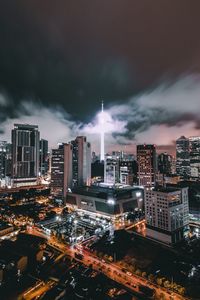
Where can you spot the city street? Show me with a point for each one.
(112, 270)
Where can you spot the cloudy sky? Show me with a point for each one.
(59, 59)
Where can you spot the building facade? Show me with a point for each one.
(5, 159)
(61, 170)
(25, 154)
(111, 170)
(194, 144)
(183, 158)
(146, 158)
(57, 170)
(43, 167)
(106, 200)
(81, 161)
(167, 214)
(70, 166)
(165, 163)
(128, 172)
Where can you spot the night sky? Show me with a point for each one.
(59, 59)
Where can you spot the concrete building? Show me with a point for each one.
(106, 200)
(97, 170)
(111, 170)
(173, 179)
(165, 163)
(61, 169)
(183, 158)
(119, 168)
(43, 166)
(146, 158)
(81, 161)
(70, 166)
(5, 159)
(167, 214)
(25, 154)
(128, 172)
(194, 143)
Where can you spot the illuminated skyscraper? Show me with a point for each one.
(71, 166)
(195, 157)
(43, 157)
(165, 163)
(61, 169)
(25, 154)
(146, 158)
(5, 159)
(81, 161)
(183, 157)
(167, 214)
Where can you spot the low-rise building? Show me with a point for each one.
(106, 199)
(167, 214)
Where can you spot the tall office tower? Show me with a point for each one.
(173, 165)
(25, 154)
(61, 169)
(194, 157)
(183, 157)
(165, 163)
(5, 159)
(57, 170)
(81, 161)
(167, 214)
(128, 171)
(146, 158)
(2, 159)
(43, 167)
(111, 170)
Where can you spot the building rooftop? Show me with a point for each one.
(103, 191)
(25, 126)
(167, 189)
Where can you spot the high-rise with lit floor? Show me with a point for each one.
(183, 157)
(194, 142)
(146, 158)
(167, 214)
(25, 154)
(43, 168)
(70, 166)
(61, 169)
(81, 161)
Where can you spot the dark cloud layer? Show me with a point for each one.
(71, 54)
(75, 52)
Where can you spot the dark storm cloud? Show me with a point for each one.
(74, 52)
(68, 55)
(160, 116)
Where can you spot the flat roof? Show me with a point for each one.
(166, 189)
(99, 191)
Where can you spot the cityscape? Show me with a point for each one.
(99, 154)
